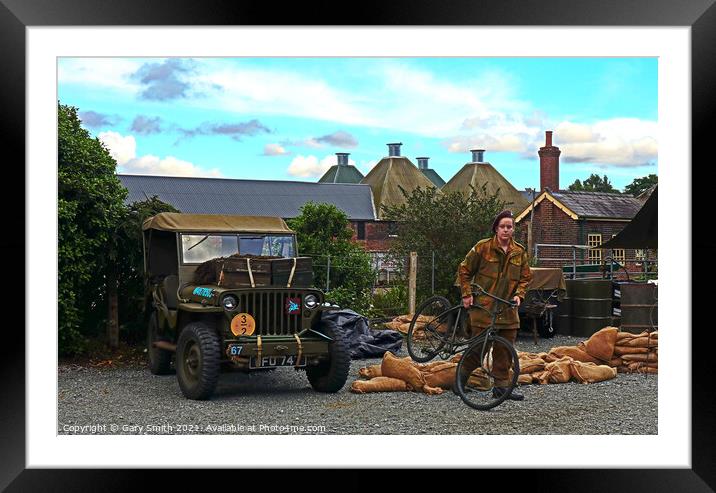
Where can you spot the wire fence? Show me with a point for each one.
(389, 274)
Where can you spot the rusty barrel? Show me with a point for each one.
(590, 306)
(638, 307)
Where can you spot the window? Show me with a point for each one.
(618, 254)
(361, 230)
(200, 248)
(593, 240)
(266, 245)
(639, 254)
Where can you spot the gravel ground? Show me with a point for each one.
(133, 401)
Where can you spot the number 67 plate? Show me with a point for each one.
(274, 361)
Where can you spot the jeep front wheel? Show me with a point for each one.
(197, 361)
(331, 375)
(159, 359)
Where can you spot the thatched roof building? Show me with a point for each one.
(479, 172)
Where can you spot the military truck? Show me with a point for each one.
(247, 319)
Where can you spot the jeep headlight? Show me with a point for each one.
(310, 301)
(230, 302)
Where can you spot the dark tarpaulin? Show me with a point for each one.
(362, 341)
(643, 231)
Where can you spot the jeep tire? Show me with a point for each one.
(331, 375)
(197, 360)
(159, 359)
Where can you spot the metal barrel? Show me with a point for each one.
(562, 315)
(591, 305)
(639, 307)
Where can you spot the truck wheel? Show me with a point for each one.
(331, 375)
(159, 359)
(197, 361)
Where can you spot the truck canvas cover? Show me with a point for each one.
(215, 223)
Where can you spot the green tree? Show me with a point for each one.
(90, 203)
(641, 185)
(447, 224)
(323, 231)
(594, 183)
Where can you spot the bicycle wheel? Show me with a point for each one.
(426, 333)
(475, 377)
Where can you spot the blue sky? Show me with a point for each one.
(285, 118)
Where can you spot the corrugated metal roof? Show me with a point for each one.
(599, 204)
(433, 176)
(341, 174)
(249, 197)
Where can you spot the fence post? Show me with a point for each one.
(432, 283)
(574, 262)
(328, 273)
(412, 270)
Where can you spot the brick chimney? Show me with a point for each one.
(549, 164)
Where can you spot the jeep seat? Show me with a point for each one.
(170, 284)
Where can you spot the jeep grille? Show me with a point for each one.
(269, 311)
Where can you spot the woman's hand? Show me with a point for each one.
(467, 301)
(517, 300)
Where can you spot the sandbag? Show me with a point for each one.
(371, 371)
(524, 379)
(404, 369)
(590, 372)
(620, 350)
(601, 344)
(616, 362)
(640, 357)
(441, 376)
(639, 342)
(531, 365)
(559, 371)
(379, 384)
(573, 352)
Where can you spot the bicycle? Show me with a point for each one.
(445, 334)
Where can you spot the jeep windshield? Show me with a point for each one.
(198, 248)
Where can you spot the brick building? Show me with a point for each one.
(584, 219)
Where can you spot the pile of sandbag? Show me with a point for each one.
(637, 353)
(395, 374)
(401, 323)
(599, 358)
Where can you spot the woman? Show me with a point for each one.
(499, 265)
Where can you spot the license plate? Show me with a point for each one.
(274, 361)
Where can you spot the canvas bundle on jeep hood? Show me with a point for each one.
(215, 223)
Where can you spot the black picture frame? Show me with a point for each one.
(699, 15)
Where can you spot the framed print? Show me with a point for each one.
(48, 43)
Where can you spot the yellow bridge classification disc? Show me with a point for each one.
(243, 324)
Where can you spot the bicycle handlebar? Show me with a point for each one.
(480, 291)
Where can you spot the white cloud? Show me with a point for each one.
(169, 166)
(122, 149)
(108, 73)
(619, 141)
(570, 133)
(274, 150)
(310, 166)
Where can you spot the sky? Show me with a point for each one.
(285, 118)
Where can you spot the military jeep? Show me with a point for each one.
(254, 323)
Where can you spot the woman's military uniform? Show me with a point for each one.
(501, 274)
